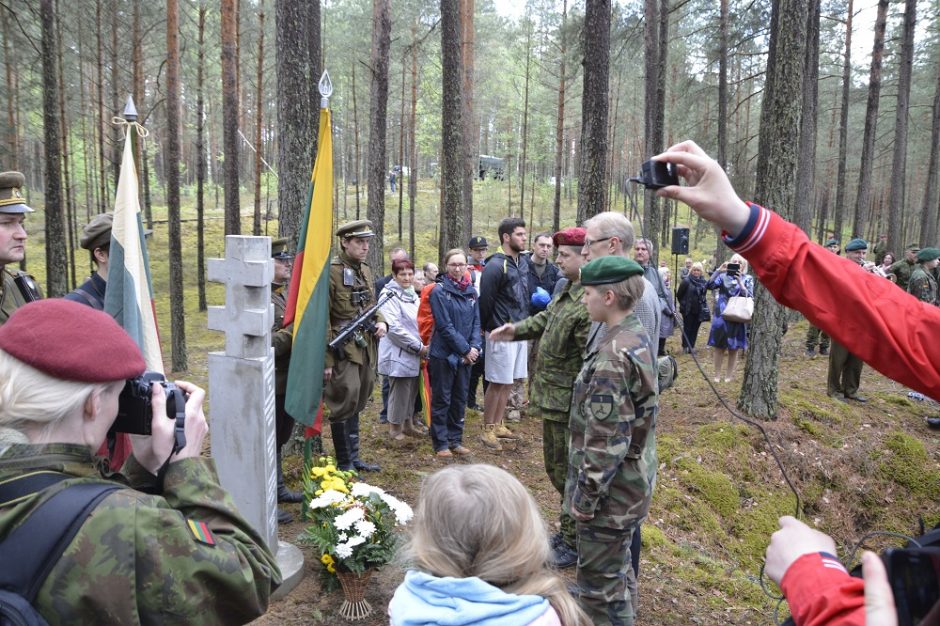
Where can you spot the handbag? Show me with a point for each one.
(739, 310)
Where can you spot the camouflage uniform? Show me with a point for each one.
(10, 296)
(136, 560)
(563, 327)
(902, 270)
(612, 466)
(923, 286)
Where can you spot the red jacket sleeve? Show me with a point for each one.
(821, 593)
(873, 318)
(425, 318)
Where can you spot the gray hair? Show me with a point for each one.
(612, 224)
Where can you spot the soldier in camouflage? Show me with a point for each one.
(923, 285)
(169, 547)
(612, 459)
(350, 379)
(903, 269)
(563, 328)
(16, 287)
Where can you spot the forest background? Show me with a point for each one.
(828, 112)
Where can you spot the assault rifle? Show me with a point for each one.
(355, 328)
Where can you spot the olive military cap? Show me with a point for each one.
(608, 270)
(11, 200)
(358, 228)
(97, 232)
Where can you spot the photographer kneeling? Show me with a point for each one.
(167, 545)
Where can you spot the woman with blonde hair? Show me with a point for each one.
(479, 555)
(729, 338)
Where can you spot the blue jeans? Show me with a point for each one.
(448, 402)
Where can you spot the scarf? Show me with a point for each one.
(461, 284)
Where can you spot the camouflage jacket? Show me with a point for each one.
(902, 270)
(10, 296)
(281, 338)
(351, 293)
(612, 453)
(923, 286)
(563, 327)
(137, 559)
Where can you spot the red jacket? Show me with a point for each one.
(876, 321)
(820, 591)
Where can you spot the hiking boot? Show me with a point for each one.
(460, 450)
(489, 437)
(504, 433)
(824, 352)
(810, 354)
(283, 517)
(564, 556)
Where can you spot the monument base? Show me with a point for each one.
(291, 561)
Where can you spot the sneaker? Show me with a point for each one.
(810, 354)
(563, 556)
(459, 450)
(504, 433)
(489, 438)
(443, 454)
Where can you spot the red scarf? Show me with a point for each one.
(463, 283)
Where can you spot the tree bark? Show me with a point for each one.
(650, 77)
(56, 257)
(806, 168)
(315, 65)
(229, 28)
(104, 198)
(560, 119)
(116, 145)
(412, 142)
(930, 209)
(899, 160)
(357, 170)
(470, 128)
(844, 131)
(259, 107)
(524, 161)
(592, 187)
(452, 161)
(12, 138)
(863, 198)
(201, 161)
(173, 129)
(776, 182)
(378, 118)
(70, 222)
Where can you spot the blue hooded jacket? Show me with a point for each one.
(456, 321)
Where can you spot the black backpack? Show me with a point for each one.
(30, 550)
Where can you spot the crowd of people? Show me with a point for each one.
(587, 331)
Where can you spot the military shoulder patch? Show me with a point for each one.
(601, 405)
(201, 532)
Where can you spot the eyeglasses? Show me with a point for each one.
(590, 242)
(456, 265)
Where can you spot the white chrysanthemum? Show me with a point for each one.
(403, 512)
(327, 498)
(342, 536)
(343, 551)
(365, 528)
(347, 519)
(364, 489)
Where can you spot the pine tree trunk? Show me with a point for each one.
(592, 188)
(471, 131)
(104, 197)
(356, 169)
(116, 144)
(230, 110)
(722, 86)
(201, 161)
(863, 198)
(294, 117)
(650, 76)
(806, 168)
(899, 161)
(523, 163)
(259, 106)
(70, 221)
(560, 120)
(843, 132)
(777, 157)
(173, 130)
(56, 256)
(452, 161)
(315, 66)
(378, 119)
(930, 208)
(412, 143)
(12, 140)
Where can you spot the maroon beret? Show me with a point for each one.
(569, 237)
(71, 341)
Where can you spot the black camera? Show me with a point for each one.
(657, 174)
(733, 269)
(915, 581)
(135, 412)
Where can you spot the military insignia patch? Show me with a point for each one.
(601, 405)
(201, 532)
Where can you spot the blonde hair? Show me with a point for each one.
(454, 252)
(479, 520)
(697, 266)
(737, 258)
(29, 397)
(628, 292)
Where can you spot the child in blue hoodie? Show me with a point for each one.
(479, 556)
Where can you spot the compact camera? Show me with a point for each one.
(135, 412)
(733, 269)
(657, 174)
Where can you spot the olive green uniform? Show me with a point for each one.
(902, 270)
(923, 286)
(563, 328)
(10, 296)
(137, 559)
(612, 466)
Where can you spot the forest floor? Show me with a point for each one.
(719, 493)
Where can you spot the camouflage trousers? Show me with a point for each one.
(517, 400)
(815, 336)
(607, 585)
(555, 456)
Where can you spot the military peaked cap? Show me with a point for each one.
(358, 228)
(279, 250)
(11, 200)
(914, 247)
(608, 270)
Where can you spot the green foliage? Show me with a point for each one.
(906, 463)
(715, 488)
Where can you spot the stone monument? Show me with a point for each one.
(241, 392)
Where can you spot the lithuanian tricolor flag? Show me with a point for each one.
(308, 302)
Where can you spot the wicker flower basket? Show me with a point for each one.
(354, 607)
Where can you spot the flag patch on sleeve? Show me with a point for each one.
(201, 532)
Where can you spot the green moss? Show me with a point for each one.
(900, 401)
(687, 512)
(723, 437)
(653, 536)
(716, 489)
(754, 525)
(666, 448)
(906, 463)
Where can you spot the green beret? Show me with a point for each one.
(609, 269)
(11, 200)
(357, 228)
(279, 249)
(928, 254)
(97, 232)
(832, 242)
(856, 244)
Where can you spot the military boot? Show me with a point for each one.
(283, 493)
(341, 445)
(352, 435)
(489, 438)
(504, 433)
